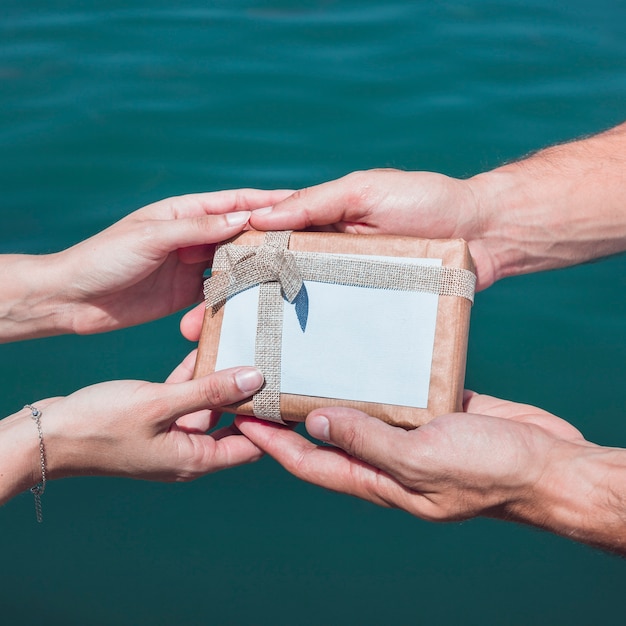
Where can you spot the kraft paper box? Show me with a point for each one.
(377, 323)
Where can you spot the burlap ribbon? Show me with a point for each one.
(278, 270)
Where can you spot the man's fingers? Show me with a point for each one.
(482, 404)
(363, 437)
(323, 466)
(341, 202)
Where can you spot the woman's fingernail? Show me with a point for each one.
(249, 379)
(318, 426)
(264, 211)
(238, 218)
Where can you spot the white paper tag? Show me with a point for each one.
(363, 344)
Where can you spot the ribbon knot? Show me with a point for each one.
(276, 264)
(270, 262)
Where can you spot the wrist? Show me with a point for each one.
(581, 495)
(20, 467)
(559, 207)
(497, 238)
(33, 303)
(521, 229)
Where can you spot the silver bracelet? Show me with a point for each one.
(38, 489)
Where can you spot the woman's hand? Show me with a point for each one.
(147, 430)
(130, 428)
(151, 263)
(146, 266)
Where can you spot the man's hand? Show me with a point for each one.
(392, 202)
(499, 459)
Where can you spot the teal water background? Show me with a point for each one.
(107, 106)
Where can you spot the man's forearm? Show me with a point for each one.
(561, 206)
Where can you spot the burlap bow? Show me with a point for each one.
(245, 268)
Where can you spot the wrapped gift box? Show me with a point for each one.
(378, 323)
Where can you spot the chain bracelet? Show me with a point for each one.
(38, 489)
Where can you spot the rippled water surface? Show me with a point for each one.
(107, 106)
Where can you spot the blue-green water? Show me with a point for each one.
(107, 106)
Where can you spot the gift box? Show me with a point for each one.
(378, 323)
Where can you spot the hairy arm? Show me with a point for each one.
(561, 206)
